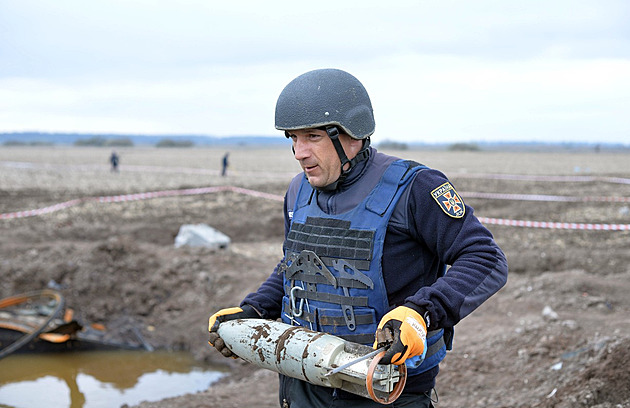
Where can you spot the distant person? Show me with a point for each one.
(224, 164)
(114, 160)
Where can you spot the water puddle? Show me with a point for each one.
(99, 379)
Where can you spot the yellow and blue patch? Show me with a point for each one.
(450, 202)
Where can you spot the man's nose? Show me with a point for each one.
(300, 149)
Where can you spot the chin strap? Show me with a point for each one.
(363, 154)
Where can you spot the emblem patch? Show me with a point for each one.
(448, 199)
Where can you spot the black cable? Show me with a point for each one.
(28, 337)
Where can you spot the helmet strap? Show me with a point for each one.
(333, 134)
(363, 154)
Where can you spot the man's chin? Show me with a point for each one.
(313, 181)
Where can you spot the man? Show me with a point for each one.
(224, 164)
(114, 160)
(385, 227)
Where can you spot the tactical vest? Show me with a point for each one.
(333, 279)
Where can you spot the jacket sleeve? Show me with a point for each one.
(267, 300)
(478, 267)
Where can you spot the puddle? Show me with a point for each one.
(99, 379)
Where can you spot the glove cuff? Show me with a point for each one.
(422, 311)
(250, 312)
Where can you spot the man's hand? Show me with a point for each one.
(409, 332)
(223, 315)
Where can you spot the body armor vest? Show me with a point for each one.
(333, 278)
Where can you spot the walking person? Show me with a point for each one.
(114, 160)
(224, 164)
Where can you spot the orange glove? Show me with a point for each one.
(223, 315)
(409, 335)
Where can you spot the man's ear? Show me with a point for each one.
(353, 146)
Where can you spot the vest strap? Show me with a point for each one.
(328, 297)
(318, 279)
(383, 194)
(334, 320)
(435, 347)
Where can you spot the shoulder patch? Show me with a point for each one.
(450, 202)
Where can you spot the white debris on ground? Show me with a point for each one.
(201, 235)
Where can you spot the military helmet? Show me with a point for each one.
(326, 97)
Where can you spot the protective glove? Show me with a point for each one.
(223, 315)
(409, 332)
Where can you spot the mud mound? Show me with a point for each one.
(602, 379)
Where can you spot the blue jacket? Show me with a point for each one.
(429, 229)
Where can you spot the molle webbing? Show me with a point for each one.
(318, 279)
(332, 238)
(335, 320)
(329, 297)
(340, 321)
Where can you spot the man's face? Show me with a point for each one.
(317, 155)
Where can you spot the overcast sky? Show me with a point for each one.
(436, 71)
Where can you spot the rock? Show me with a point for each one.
(201, 235)
(549, 314)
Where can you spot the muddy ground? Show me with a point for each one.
(558, 334)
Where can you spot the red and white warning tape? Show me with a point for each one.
(195, 191)
(544, 197)
(556, 225)
(40, 211)
(158, 194)
(527, 177)
(138, 196)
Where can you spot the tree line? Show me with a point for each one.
(98, 141)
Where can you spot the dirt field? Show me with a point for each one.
(558, 335)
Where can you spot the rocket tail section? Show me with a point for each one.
(308, 355)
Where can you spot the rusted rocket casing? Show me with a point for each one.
(307, 355)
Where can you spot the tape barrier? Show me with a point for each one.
(275, 197)
(556, 225)
(524, 177)
(544, 197)
(159, 194)
(138, 196)
(40, 211)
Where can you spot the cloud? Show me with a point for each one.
(67, 38)
(436, 71)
